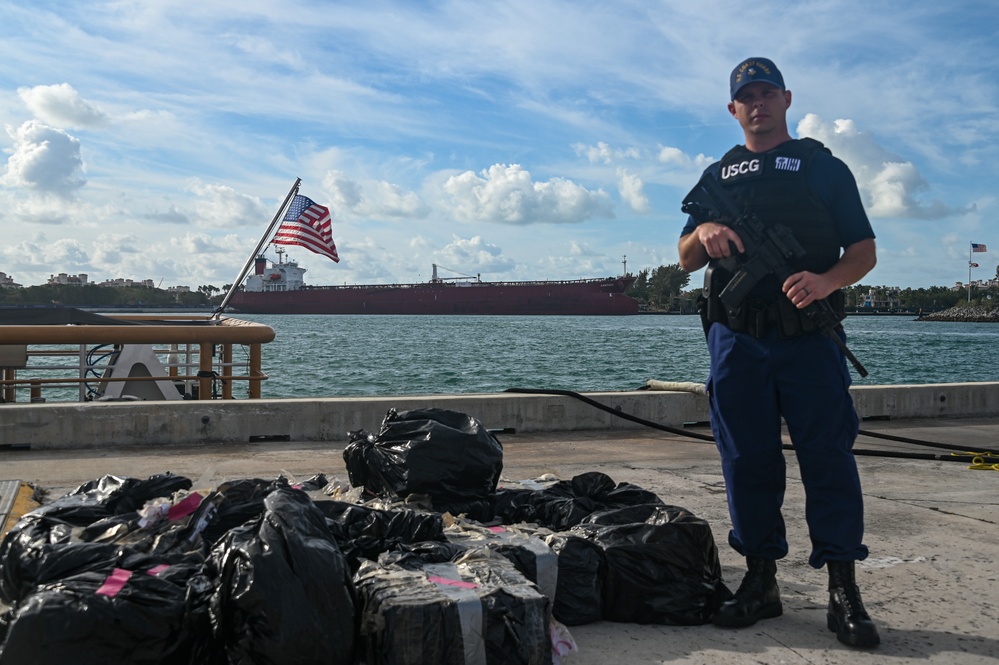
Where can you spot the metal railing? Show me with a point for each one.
(161, 358)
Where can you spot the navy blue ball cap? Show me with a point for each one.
(752, 70)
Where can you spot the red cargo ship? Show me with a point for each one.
(279, 288)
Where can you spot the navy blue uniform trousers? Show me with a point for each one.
(753, 384)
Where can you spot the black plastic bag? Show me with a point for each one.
(449, 456)
(415, 556)
(364, 532)
(581, 570)
(152, 613)
(42, 565)
(313, 484)
(125, 495)
(568, 502)
(284, 591)
(514, 505)
(103, 510)
(663, 570)
(242, 501)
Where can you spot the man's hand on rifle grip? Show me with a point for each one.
(719, 241)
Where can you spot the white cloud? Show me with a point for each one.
(69, 253)
(632, 190)
(675, 157)
(194, 243)
(574, 266)
(393, 201)
(153, 118)
(891, 189)
(474, 254)
(507, 195)
(28, 211)
(173, 215)
(888, 183)
(221, 206)
(61, 106)
(44, 159)
(375, 199)
(346, 194)
(265, 49)
(603, 153)
(112, 249)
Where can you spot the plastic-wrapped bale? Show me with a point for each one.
(568, 502)
(121, 495)
(139, 595)
(150, 614)
(364, 532)
(662, 565)
(284, 592)
(43, 545)
(242, 501)
(449, 456)
(529, 554)
(581, 571)
(477, 611)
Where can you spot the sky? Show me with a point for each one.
(534, 139)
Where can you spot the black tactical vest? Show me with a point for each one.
(773, 185)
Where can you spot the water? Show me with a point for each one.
(324, 356)
(899, 350)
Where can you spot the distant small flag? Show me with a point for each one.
(978, 247)
(308, 225)
(972, 264)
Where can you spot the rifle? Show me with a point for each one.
(770, 250)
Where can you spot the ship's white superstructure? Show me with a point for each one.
(279, 276)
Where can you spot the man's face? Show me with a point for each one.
(761, 108)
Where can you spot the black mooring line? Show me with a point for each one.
(704, 437)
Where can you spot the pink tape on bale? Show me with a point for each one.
(461, 584)
(114, 583)
(185, 507)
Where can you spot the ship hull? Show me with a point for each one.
(582, 297)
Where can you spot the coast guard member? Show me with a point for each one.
(768, 363)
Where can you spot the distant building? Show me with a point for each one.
(882, 297)
(8, 282)
(178, 289)
(121, 282)
(71, 280)
(977, 283)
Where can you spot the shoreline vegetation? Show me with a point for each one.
(665, 290)
(110, 297)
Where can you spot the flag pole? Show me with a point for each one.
(971, 249)
(249, 261)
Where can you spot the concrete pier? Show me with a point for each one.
(930, 582)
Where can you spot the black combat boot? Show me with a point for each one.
(847, 616)
(757, 598)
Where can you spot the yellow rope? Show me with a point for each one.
(978, 462)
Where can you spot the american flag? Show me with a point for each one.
(978, 247)
(308, 225)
